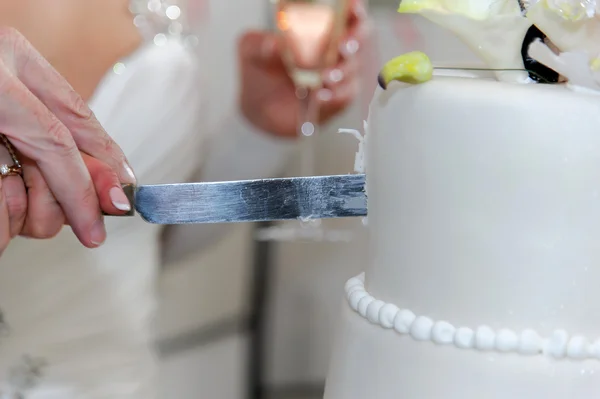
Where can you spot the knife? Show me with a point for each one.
(304, 198)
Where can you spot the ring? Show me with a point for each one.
(10, 170)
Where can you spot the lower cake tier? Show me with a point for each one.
(383, 351)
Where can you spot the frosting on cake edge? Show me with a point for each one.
(483, 338)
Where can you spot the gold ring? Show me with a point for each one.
(10, 170)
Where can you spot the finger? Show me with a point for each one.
(334, 102)
(4, 221)
(357, 13)
(45, 206)
(58, 96)
(45, 217)
(355, 31)
(344, 71)
(260, 48)
(14, 195)
(41, 137)
(110, 193)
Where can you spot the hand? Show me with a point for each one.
(32, 208)
(49, 124)
(268, 98)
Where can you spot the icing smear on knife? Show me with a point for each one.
(493, 29)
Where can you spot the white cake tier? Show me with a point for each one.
(484, 213)
(484, 204)
(559, 345)
(371, 362)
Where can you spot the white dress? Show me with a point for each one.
(75, 322)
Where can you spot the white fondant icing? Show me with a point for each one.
(387, 315)
(578, 347)
(595, 349)
(507, 341)
(483, 204)
(443, 333)
(353, 282)
(465, 338)
(373, 311)
(403, 321)
(483, 338)
(483, 209)
(421, 328)
(359, 160)
(530, 343)
(363, 305)
(355, 298)
(556, 346)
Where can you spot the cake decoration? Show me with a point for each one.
(522, 41)
(559, 345)
(537, 71)
(571, 10)
(414, 68)
(493, 29)
(574, 29)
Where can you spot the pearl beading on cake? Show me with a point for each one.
(421, 328)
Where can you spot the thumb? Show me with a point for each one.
(259, 48)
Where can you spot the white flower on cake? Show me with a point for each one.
(475, 9)
(573, 27)
(493, 29)
(572, 10)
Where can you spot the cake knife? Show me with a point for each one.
(319, 197)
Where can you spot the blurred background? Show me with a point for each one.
(252, 319)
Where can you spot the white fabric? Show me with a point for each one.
(86, 313)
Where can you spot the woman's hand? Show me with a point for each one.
(54, 131)
(34, 212)
(268, 97)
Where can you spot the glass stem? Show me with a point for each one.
(307, 130)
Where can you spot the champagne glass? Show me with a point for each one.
(311, 31)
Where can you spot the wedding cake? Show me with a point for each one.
(484, 214)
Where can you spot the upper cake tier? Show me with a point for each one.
(484, 204)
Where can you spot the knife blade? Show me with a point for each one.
(318, 197)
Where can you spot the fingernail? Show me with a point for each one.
(324, 95)
(268, 47)
(350, 47)
(98, 233)
(334, 76)
(119, 199)
(129, 172)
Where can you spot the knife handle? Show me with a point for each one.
(129, 190)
